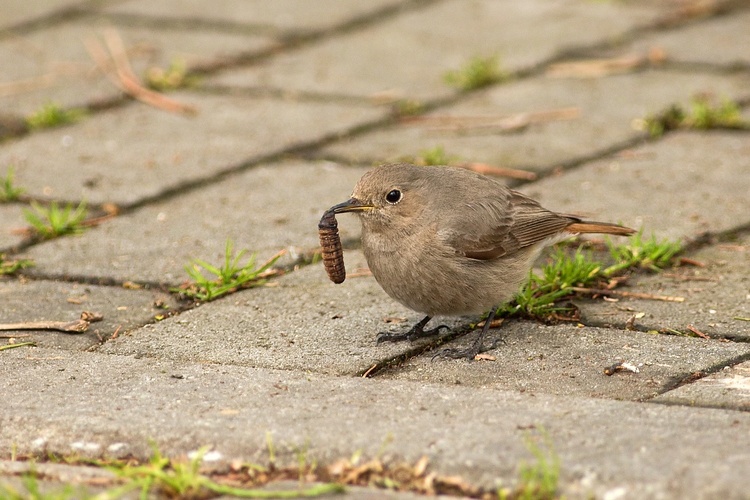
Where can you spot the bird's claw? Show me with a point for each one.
(417, 332)
(469, 353)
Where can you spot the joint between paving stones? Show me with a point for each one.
(679, 381)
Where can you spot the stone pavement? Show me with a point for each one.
(295, 100)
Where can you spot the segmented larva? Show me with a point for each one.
(333, 254)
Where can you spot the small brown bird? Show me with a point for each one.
(449, 241)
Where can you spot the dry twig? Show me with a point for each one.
(592, 68)
(116, 66)
(634, 295)
(77, 326)
(698, 332)
(20, 344)
(512, 123)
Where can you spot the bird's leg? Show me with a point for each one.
(416, 332)
(476, 348)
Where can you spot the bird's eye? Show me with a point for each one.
(393, 196)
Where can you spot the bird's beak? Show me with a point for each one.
(350, 205)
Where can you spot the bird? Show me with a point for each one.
(447, 241)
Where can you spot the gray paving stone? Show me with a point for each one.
(729, 388)
(639, 450)
(565, 359)
(81, 481)
(607, 109)
(727, 35)
(715, 296)
(263, 210)
(125, 155)
(304, 322)
(53, 65)
(123, 310)
(294, 15)
(19, 11)
(678, 188)
(440, 38)
(11, 220)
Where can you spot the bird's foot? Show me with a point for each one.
(469, 353)
(416, 332)
(476, 348)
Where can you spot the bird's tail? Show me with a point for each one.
(582, 226)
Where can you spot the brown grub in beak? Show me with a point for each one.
(333, 254)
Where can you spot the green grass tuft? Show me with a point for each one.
(541, 295)
(640, 253)
(53, 115)
(177, 479)
(32, 490)
(13, 266)
(8, 190)
(702, 113)
(538, 480)
(226, 277)
(53, 221)
(176, 76)
(478, 72)
(435, 156)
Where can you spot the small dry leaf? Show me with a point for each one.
(483, 356)
(91, 317)
(622, 366)
(421, 466)
(338, 467)
(394, 319)
(496, 323)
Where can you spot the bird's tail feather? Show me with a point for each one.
(580, 227)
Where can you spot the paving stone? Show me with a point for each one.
(11, 219)
(263, 210)
(565, 359)
(81, 481)
(677, 188)
(716, 297)
(304, 322)
(19, 11)
(53, 65)
(292, 15)
(727, 35)
(440, 38)
(125, 155)
(122, 310)
(729, 388)
(639, 450)
(607, 109)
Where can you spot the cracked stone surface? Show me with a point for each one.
(260, 210)
(143, 149)
(563, 360)
(54, 66)
(122, 310)
(11, 221)
(292, 15)
(687, 44)
(601, 113)
(295, 102)
(302, 322)
(729, 388)
(716, 297)
(629, 186)
(337, 66)
(475, 432)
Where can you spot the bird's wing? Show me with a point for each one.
(500, 225)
